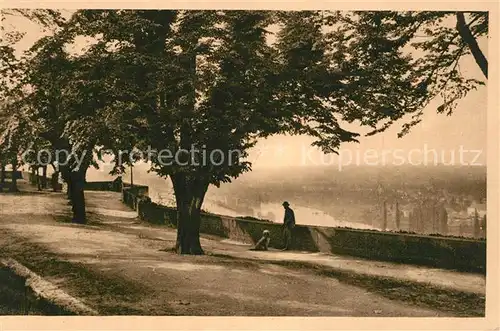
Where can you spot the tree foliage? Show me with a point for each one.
(417, 56)
(15, 124)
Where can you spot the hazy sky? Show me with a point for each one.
(465, 130)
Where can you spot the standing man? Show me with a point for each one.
(288, 225)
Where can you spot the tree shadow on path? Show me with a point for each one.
(425, 295)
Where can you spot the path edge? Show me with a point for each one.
(45, 293)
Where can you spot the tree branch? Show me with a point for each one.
(469, 39)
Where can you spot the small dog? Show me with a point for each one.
(263, 243)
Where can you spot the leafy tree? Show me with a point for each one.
(15, 126)
(58, 102)
(10, 69)
(200, 80)
(417, 55)
(39, 81)
(210, 81)
(13, 139)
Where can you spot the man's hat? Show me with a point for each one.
(265, 232)
(285, 203)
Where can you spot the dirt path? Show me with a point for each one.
(115, 265)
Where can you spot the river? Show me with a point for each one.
(161, 191)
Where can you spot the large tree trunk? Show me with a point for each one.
(13, 186)
(2, 176)
(76, 184)
(78, 196)
(189, 195)
(37, 178)
(470, 40)
(63, 166)
(44, 177)
(54, 178)
(32, 179)
(68, 189)
(54, 181)
(65, 174)
(188, 231)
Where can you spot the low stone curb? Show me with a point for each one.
(44, 293)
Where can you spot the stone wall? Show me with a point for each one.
(114, 186)
(442, 252)
(9, 173)
(32, 179)
(139, 190)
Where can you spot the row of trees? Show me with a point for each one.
(220, 80)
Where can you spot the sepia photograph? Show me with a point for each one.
(251, 162)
